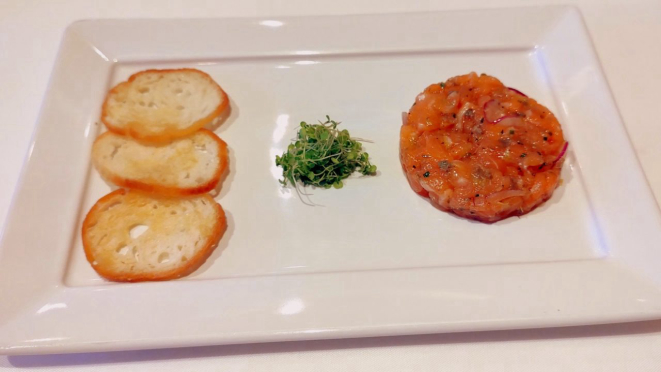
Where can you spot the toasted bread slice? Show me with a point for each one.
(186, 166)
(181, 234)
(157, 106)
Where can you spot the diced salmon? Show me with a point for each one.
(481, 150)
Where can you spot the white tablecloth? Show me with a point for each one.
(627, 37)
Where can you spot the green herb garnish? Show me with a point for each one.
(323, 156)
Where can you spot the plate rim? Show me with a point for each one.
(54, 291)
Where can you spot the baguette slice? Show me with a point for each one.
(181, 234)
(186, 166)
(157, 106)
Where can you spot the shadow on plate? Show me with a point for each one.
(63, 360)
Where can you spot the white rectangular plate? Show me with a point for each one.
(375, 259)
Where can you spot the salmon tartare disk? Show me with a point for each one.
(481, 150)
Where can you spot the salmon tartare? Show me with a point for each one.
(481, 150)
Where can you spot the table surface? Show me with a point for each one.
(626, 35)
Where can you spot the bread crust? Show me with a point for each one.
(191, 265)
(134, 129)
(152, 188)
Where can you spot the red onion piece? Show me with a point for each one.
(491, 109)
(509, 120)
(492, 112)
(517, 91)
(562, 153)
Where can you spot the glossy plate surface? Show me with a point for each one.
(374, 259)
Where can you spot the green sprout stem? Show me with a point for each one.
(322, 156)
